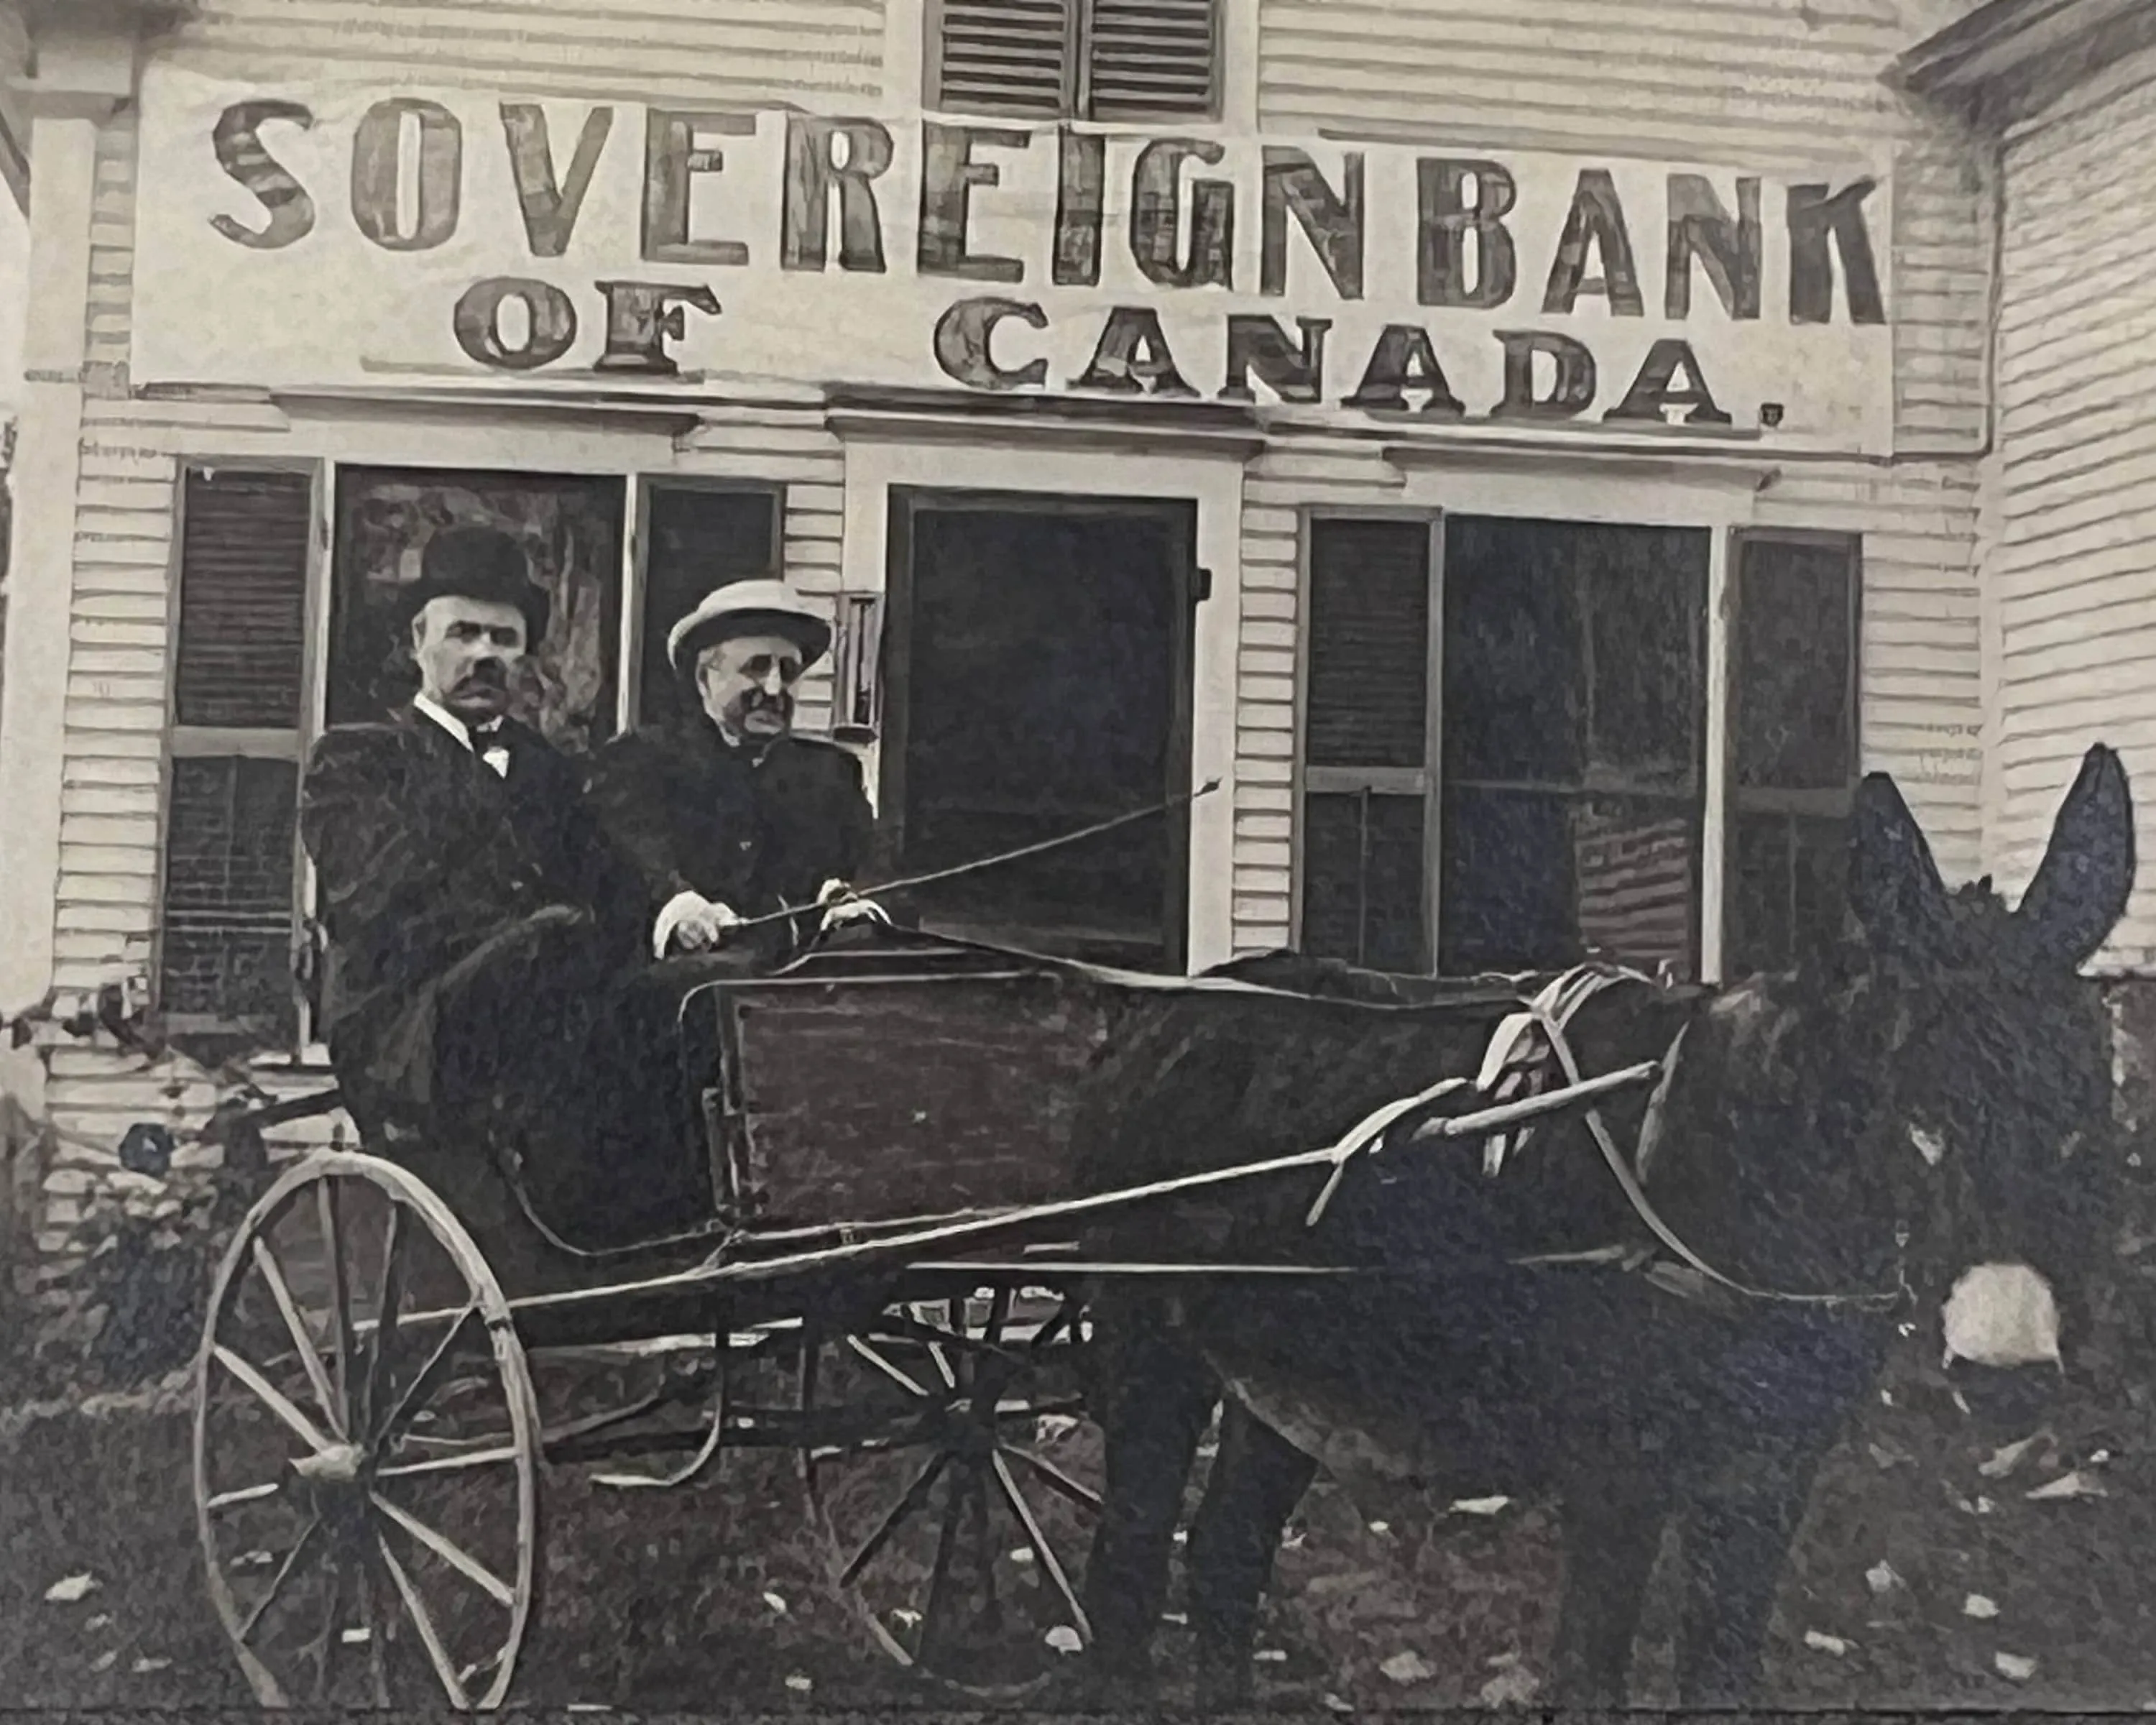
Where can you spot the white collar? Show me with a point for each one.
(425, 703)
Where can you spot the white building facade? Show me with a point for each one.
(1534, 458)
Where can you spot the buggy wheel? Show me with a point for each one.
(365, 1453)
(951, 1470)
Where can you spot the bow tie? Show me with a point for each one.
(491, 746)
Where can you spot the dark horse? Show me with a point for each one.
(1912, 1125)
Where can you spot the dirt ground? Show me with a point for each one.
(1926, 1576)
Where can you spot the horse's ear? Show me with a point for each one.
(1894, 885)
(2080, 889)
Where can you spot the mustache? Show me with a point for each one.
(757, 701)
(486, 675)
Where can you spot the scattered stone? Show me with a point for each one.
(1409, 1667)
(799, 1683)
(105, 1660)
(144, 1667)
(2008, 1457)
(1978, 1606)
(1479, 1506)
(1824, 1643)
(2014, 1667)
(1064, 1638)
(68, 1591)
(1881, 1577)
(1381, 1528)
(1337, 1705)
(1514, 1688)
(102, 1620)
(1271, 1655)
(1023, 1554)
(777, 1603)
(2075, 1484)
(358, 1637)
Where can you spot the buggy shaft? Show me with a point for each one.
(1479, 1123)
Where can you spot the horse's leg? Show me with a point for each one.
(1736, 1539)
(1258, 1478)
(1612, 1523)
(1155, 1397)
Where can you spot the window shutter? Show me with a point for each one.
(1152, 60)
(243, 599)
(1005, 57)
(228, 868)
(226, 919)
(1369, 643)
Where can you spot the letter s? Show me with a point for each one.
(237, 138)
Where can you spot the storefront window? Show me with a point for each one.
(1574, 713)
(1572, 726)
(251, 643)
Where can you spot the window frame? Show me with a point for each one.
(1225, 106)
(1721, 799)
(1307, 777)
(306, 1050)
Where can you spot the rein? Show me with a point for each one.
(1508, 1068)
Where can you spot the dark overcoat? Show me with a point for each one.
(435, 876)
(754, 830)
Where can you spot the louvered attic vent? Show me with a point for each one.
(1090, 59)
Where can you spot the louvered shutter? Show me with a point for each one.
(243, 599)
(1152, 60)
(225, 945)
(1793, 724)
(1006, 57)
(1365, 875)
(1116, 60)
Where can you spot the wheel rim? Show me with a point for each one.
(955, 1480)
(366, 1455)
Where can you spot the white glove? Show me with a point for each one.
(842, 906)
(689, 922)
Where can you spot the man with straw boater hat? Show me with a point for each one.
(730, 818)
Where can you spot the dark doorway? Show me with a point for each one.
(1038, 682)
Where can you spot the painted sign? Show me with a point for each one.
(298, 236)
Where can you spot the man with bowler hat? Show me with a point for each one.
(726, 814)
(470, 899)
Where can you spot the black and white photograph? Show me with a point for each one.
(1109, 858)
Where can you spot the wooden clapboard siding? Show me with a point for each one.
(1774, 85)
(2072, 573)
(805, 52)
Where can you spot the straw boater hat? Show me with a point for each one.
(749, 608)
(476, 562)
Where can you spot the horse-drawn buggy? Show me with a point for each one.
(893, 1279)
(951, 1211)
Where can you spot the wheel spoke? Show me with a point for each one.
(385, 1314)
(956, 1500)
(875, 1357)
(936, 1349)
(284, 1570)
(311, 1360)
(326, 1205)
(1041, 1548)
(916, 1494)
(271, 1398)
(984, 1552)
(1056, 1480)
(388, 1431)
(245, 1494)
(416, 1609)
(449, 1552)
(451, 1463)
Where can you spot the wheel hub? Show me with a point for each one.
(340, 1464)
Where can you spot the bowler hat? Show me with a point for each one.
(749, 608)
(476, 562)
